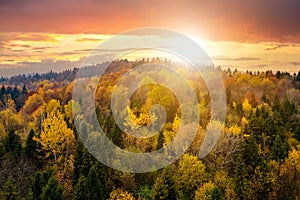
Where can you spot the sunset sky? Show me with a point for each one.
(38, 35)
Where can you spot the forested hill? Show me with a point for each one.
(256, 157)
(64, 76)
(70, 74)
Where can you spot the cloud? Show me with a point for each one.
(277, 46)
(19, 45)
(6, 38)
(282, 45)
(246, 21)
(221, 58)
(89, 40)
(294, 63)
(37, 67)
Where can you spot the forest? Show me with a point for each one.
(256, 157)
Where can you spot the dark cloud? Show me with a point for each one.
(277, 46)
(294, 63)
(248, 21)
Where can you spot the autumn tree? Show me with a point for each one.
(190, 174)
(120, 194)
(56, 138)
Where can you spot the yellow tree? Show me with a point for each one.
(205, 191)
(190, 174)
(120, 194)
(56, 138)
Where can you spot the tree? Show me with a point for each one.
(9, 190)
(11, 120)
(83, 161)
(120, 194)
(33, 103)
(56, 138)
(290, 176)
(39, 181)
(190, 174)
(12, 144)
(94, 188)
(280, 148)
(246, 107)
(80, 192)
(208, 191)
(53, 190)
(164, 187)
(2, 131)
(31, 145)
(240, 177)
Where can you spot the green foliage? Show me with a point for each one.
(90, 187)
(12, 144)
(240, 177)
(164, 186)
(39, 181)
(31, 146)
(53, 190)
(80, 192)
(9, 190)
(280, 148)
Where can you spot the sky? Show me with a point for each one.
(40, 35)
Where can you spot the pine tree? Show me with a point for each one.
(240, 178)
(31, 145)
(95, 191)
(80, 192)
(12, 144)
(161, 141)
(83, 161)
(9, 190)
(280, 148)
(251, 153)
(53, 190)
(216, 194)
(39, 181)
(164, 186)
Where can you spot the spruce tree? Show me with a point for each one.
(31, 145)
(240, 178)
(9, 190)
(53, 190)
(94, 189)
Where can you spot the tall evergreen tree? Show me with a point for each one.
(80, 191)
(12, 144)
(31, 145)
(94, 188)
(53, 190)
(240, 178)
(9, 190)
(39, 181)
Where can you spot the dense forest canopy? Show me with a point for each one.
(256, 157)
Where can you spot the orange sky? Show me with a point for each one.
(41, 35)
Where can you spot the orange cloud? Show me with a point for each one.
(235, 20)
(88, 40)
